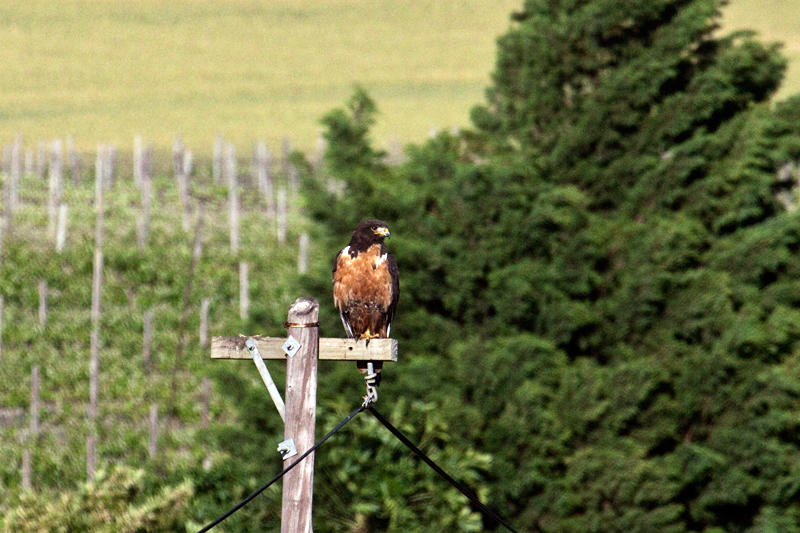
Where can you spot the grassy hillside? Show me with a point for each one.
(107, 69)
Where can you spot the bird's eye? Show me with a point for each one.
(374, 228)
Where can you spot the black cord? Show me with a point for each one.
(276, 478)
(474, 499)
(396, 432)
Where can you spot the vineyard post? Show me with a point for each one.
(94, 358)
(34, 429)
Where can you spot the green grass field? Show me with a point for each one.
(105, 70)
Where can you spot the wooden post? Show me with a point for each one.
(244, 290)
(43, 303)
(5, 223)
(293, 178)
(147, 340)
(29, 168)
(205, 303)
(233, 195)
(179, 160)
(41, 160)
(91, 456)
(197, 251)
(61, 233)
(74, 162)
(56, 177)
(216, 164)
(110, 166)
(269, 187)
(301, 411)
(282, 214)
(177, 156)
(152, 446)
(286, 153)
(183, 188)
(394, 152)
(26, 469)
(137, 160)
(143, 227)
(9, 187)
(100, 169)
(94, 358)
(302, 254)
(188, 163)
(2, 301)
(6, 167)
(262, 167)
(187, 294)
(35, 400)
(34, 429)
(16, 171)
(205, 414)
(319, 155)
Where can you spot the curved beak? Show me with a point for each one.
(383, 232)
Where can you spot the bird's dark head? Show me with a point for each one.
(369, 232)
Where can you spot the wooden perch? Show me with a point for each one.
(330, 349)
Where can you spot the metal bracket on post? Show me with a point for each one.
(267, 378)
(291, 346)
(287, 449)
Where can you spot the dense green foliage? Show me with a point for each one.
(113, 503)
(600, 289)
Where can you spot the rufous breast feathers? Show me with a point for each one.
(362, 278)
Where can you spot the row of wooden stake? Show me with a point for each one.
(244, 302)
(34, 433)
(94, 365)
(105, 174)
(148, 318)
(36, 162)
(277, 203)
(205, 305)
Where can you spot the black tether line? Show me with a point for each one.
(474, 499)
(276, 478)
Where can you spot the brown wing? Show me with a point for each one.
(394, 274)
(339, 291)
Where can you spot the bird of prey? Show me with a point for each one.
(366, 285)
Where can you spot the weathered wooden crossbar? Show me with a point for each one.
(330, 349)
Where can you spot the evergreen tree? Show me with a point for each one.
(621, 96)
(599, 283)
